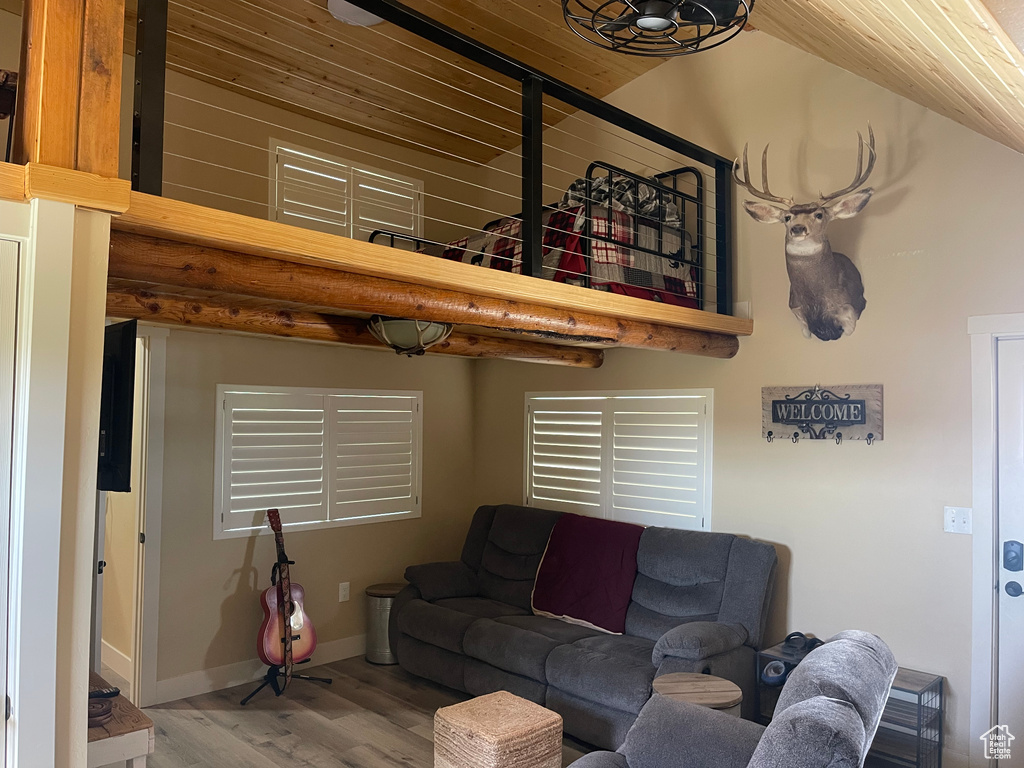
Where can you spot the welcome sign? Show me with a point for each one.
(844, 412)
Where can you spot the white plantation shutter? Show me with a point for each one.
(329, 194)
(375, 449)
(659, 460)
(322, 457)
(564, 462)
(636, 457)
(312, 192)
(385, 201)
(273, 456)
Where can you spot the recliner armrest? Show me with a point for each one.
(439, 580)
(698, 640)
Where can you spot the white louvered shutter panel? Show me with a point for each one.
(313, 192)
(564, 465)
(659, 460)
(375, 455)
(385, 201)
(272, 447)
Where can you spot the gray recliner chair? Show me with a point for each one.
(826, 716)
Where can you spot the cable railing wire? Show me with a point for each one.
(308, 55)
(344, 94)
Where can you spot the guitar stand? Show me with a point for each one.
(272, 679)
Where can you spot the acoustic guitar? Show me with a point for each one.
(282, 607)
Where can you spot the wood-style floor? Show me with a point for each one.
(370, 717)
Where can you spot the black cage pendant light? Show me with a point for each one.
(657, 27)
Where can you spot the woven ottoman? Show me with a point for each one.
(499, 730)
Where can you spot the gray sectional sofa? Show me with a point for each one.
(699, 604)
(827, 715)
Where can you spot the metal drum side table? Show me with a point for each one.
(379, 599)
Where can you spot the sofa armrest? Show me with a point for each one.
(698, 640)
(600, 760)
(439, 580)
(677, 734)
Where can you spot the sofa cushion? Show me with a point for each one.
(588, 571)
(556, 629)
(814, 732)
(636, 648)
(482, 679)
(680, 577)
(480, 607)
(667, 730)
(617, 676)
(512, 649)
(435, 624)
(515, 544)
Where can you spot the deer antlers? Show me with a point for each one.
(766, 193)
(862, 172)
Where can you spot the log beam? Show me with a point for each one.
(155, 260)
(222, 314)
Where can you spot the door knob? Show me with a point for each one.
(1013, 589)
(1013, 556)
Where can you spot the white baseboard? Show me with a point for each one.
(230, 675)
(116, 660)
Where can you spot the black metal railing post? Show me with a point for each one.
(148, 107)
(723, 235)
(533, 175)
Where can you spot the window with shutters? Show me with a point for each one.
(330, 194)
(638, 457)
(323, 457)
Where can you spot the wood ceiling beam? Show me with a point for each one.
(149, 259)
(222, 313)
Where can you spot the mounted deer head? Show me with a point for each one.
(826, 293)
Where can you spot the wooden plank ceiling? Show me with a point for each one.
(383, 80)
(951, 56)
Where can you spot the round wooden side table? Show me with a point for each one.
(703, 690)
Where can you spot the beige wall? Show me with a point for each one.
(859, 528)
(209, 590)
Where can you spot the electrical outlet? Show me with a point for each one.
(957, 520)
(343, 592)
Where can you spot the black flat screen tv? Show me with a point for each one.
(117, 408)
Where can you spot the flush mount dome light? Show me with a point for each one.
(408, 337)
(657, 28)
(350, 14)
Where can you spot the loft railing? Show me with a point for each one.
(710, 225)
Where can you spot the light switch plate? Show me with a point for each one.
(343, 592)
(958, 520)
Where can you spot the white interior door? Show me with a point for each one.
(8, 321)
(1010, 540)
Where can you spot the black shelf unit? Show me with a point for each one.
(911, 730)
(766, 696)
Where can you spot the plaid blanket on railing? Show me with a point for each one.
(612, 266)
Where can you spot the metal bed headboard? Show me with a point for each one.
(663, 194)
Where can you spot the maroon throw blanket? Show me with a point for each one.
(587, 573)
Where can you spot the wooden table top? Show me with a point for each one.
(705, 690)
(127, 718)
